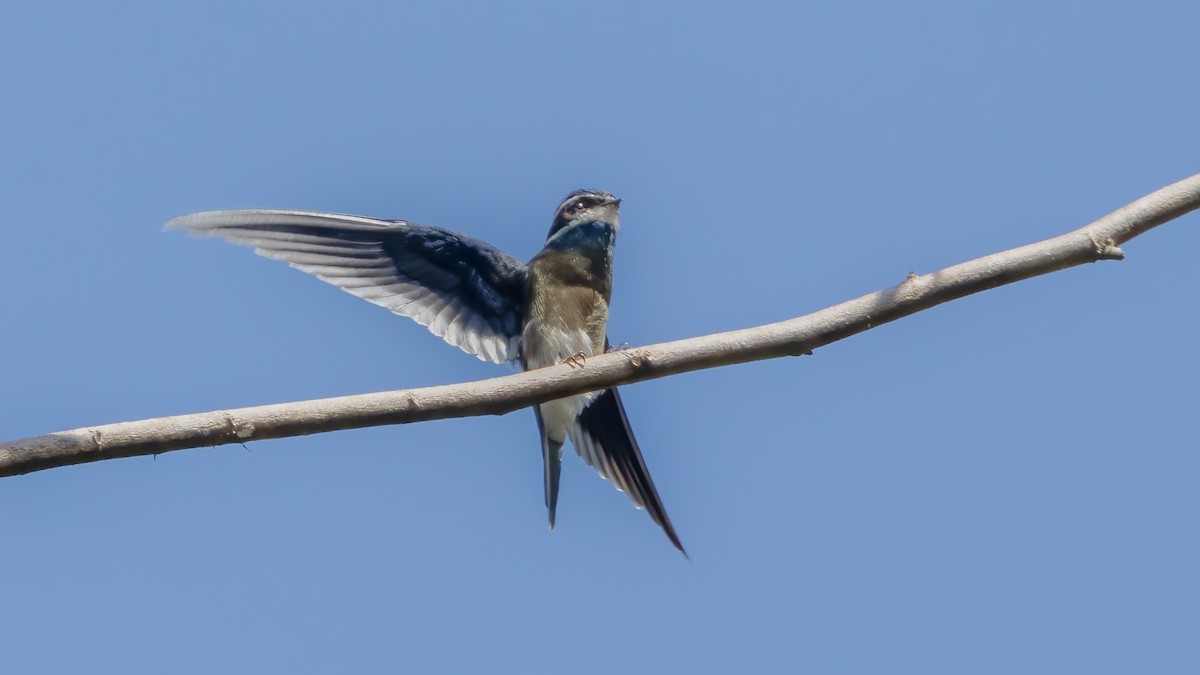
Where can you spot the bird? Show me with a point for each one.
(552, 310)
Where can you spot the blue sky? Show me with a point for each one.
(1008, 483)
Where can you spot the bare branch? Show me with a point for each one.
(1100, 240)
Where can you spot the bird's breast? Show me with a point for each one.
(563, 321)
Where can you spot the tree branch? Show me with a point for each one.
(1100, 240)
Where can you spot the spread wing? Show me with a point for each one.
(464, 290)
(603, 438)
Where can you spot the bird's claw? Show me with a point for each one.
(576, 359)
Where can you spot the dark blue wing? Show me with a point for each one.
(464, 290)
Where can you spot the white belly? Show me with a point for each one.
(544, 346)
(559, 415)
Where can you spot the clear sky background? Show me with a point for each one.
(1008, 483)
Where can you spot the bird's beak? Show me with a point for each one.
(613, 201)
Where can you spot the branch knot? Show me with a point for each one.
(1105, 248)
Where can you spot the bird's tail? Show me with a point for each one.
(551, 465)
(604, 439)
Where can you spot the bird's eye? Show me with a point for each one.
(578, 206)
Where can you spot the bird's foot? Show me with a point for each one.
(576, 359)
(636, 358)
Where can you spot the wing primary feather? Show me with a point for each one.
(464, 290)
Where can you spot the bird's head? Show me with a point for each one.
(586, 206)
